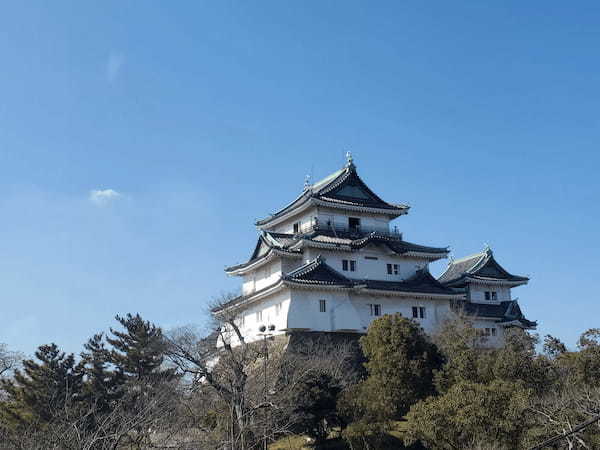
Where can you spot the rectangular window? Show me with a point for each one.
(322, 306)
(392, 269)
(395, 269)
(296, 227)
(488, 295)
(418, 312)
(353, 224)
(259, 316)
(494, 295)
(277, 309)
(389, 268)
(493, 332)
(375, 309)
(348, 265)
(375, 258)
(488, 332)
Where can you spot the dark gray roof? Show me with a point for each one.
(507, 311)
(342, 188)
(317, 272)
(282, 242)
(481, 266)
(266, 243)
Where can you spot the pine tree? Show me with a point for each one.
(103, 386)
(139, 350)
(43, 389)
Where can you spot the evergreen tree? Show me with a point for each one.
(103, 386)
(138, 351)
(43, 388)
(401, 362)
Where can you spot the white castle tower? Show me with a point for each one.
(329, 262)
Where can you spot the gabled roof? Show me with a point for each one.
(319, 273)
(291, 245)
(267, 244)
(342, 189)
(421, 282)
(478, 267)
(507, 312)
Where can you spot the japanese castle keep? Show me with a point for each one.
(329, 262)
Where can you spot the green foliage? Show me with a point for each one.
(42, 387)
(139, 350)
(401, 362)
(468, 412)
(315, 406)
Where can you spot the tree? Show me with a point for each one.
(401, 362)
(41, 388)
(553, 347)
(139, 351)
(469, 412)
(8, 360)
(315, 402)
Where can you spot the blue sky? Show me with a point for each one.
(202, 116)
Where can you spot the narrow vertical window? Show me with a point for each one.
(422, 312)
(494, 295)
(395, 269)
(322, 306)
(377, 310)
(389, 269)
(296, 227)
(493, 332)
(415, 312)
(345, 265)
(487, 295)
(352, 265)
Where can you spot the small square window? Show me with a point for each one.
(353, 223)
(322, 306)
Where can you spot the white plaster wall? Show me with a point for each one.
(262, 277)
(368, 268)
(352, 312)
(490, 341)
(477, 292)
(369, 222)
(249, 327)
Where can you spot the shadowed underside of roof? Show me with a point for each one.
(507, 311)
(478, 266)
(342, 188)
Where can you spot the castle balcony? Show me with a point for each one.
(353, 230)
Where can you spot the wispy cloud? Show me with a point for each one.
(113, 66)
(102, 197)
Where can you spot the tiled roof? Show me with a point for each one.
(283, 242)
(317, 272)
(507, 311)
(481, 266)
(343, 187)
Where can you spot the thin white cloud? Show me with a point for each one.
(113, 66)
(102, 197)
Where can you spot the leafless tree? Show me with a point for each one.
(253, 393)
(9, 361)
